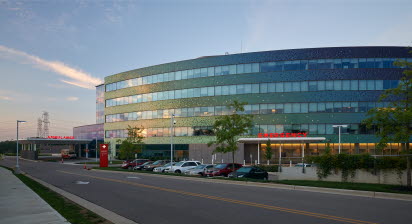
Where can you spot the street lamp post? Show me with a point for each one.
(96, 149)
(172, 122)
(340, 126)
(17, 171)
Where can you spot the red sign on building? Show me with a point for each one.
(61, 137)
(104, 155)
(282, 135)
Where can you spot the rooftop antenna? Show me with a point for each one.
(46, 123)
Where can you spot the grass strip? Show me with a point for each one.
(310, 183)
(71, 211)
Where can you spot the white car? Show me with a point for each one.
(182, 166)
(161, 169)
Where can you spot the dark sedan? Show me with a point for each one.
(140, 167)
(250, 172)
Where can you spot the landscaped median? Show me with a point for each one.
(68, 209)
(397, 189)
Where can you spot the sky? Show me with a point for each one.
(53, 53)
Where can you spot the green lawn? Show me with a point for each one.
(68, 209)
(326, 184)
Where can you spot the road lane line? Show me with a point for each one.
(253, 204)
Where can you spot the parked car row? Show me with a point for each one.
(195, 168)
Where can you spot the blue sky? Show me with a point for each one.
(52, 53)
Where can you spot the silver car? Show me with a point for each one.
(161, 169)
(198, 170)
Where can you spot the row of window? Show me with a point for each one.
(278, 108)
(312, 129)
(278, 87)
(258, 67)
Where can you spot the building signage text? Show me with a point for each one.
(282, 135)
(61, 137)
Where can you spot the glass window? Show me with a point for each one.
(354, 85)
(313, 64)
(321, 85)
(240, 89)
(211, 71)
(379, 84)
(255, 88)
(178, 75)
(263, 87)
(304, 107)
(321, 129)
(264, 109)
(362, 84)
(287, 87)
(203, 72)
(280, 109)
(337, 107)
(313, 129)
(248, 88)
(255, 67)
(345, 84)
(184, 74)
(225, 90)
(304, 86)
(321, 107)
(232, 69)
(218, 90)
(370, 84)
(329, 107)
(232, 90)
(248, 68)
(196, 92)
(240, 68)
(190, 74)
(225, 70)
(362, 63)
(288, 108)
(329, 85)
(295, 107)
(304, 64)
(196, 73)
(203, 91)
(313, 107)
(184, 93)
(296, 86)
(313, 86)
(190, 93)
(337, 84)
(337, 63)
(272, 87)
(210, 91)
(218, 70)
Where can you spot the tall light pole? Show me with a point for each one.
(17, 171)
(96, 149)
(340, 126)
(172, 122)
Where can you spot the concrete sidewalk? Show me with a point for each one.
(19, 204)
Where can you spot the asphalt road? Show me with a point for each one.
(158, 199)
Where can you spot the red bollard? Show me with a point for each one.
(84, 166)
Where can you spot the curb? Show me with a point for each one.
(107, 214)
(370, 194)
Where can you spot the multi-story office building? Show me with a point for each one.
(288, 91)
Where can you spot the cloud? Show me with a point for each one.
(79, 78)
(72, 98)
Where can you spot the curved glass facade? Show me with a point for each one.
(301, 90)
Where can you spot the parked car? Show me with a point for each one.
(250, 172)
(161, 169)
(182, 166)
(221, 169)
(158, 163)
(198, 170)
(140, 167)
(129, 164)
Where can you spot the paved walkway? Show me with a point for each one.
(19, 204)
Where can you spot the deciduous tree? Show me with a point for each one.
(228, 128)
